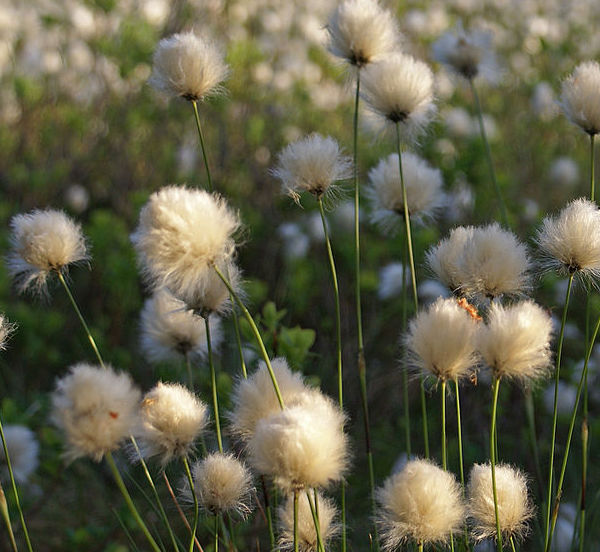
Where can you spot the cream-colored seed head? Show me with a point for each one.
(43, 242)
(515, 341)
(514, 506)
(313, 164)
(222, 484)
(361, 31)
(422, 503)
(570, 241)
(423, 186)
(445, 259)
(189, 66)
(169, 329)
(23, 449)
(441, 340)
(307, 535)
(96, 408)
(172, 418)
(579, 97)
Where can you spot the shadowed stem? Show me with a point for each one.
(404, 371)
(493, 461)
(295, 520)
(488, 154)
(555, 412)
(268, 512)
(530, 413)
(202, 146)
(6, 518)
(190, 479)
(121, 485)
(213, 384)
(253, 327)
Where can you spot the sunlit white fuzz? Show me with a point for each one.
(422, 503)
(515, 341)
(494, 263)
(307, 535)
(514, 506)
(169, 329)
(222, 484)
(445, 258)
(96, 408)
(189, 66)
(313, 164)
(570, 241)
(171, 420)
(441, 340)
(23, 450)
(361, 31)
(579, 97)
(181, 234)
(43, 242)
(423, 185)
(6, 330)
(399, 89)
(301, 446)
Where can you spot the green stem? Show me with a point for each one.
(420, 547)
(460, 455)
(584, 454)
(268, 513)
(255, 331)
(444, 452)
(530, 413)
(6, 517)
(213, 384)
(238, 338)
(80, 316)
(405, 371)
(190, 479)
(512, 544)
(216, 533)
(295, 520)
(555, 413)
(488, 154)
(592, 168)
(121, 485)
(493, 462)
(202, 146)
(424, 417)
(317, 523)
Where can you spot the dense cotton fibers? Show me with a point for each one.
(579, 97)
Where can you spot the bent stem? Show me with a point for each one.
(213, 384)
(493, 461)
(555, 413)
(202, 146)
(121, 485)
(190, 479)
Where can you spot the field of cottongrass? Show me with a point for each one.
(189, 359)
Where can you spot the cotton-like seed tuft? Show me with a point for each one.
(189, 66)
(515, 341)
(96, 408)
(23, 450)
(514, 506)
(579, 97)
(172, 418)
(43, 242)
(422, 503)
(445, 258)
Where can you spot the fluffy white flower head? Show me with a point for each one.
(445, 258)
(181, 233)
(361, 31)
(515, 341)
(423, 185)
(172, 418)
(570, 241)
(43, 242)
(441, 340)
(189, 66)
(514, 506)
(23, 449)
(313, 164)
(96, 408)
(421, 503)
(579, 97)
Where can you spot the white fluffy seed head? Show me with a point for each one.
(43, 242)
(515, 341)
(514, 506)
(172, 418)
(399, 89)
(307, 535)
(301, 446)
(222, 484)
(96, 408)
(189, 66)
(6, 330)
(23, 449)
(313, 164)
(445, 258)
(570, 241)
(422, 503)
(579, 97)
(423, 185)
(361, 31)
(169, 329)
(441, 340)
(181, 233)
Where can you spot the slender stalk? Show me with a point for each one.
(80, 316)
(268, 513)
(6, 518)
(512, 544)
(238, 338)
(202, 146)
(488, 154)
(592, 169)
(121, 485)
(190, 479)
(555, 412)
(460, 454)
(530, 413)
(584, 453)
(405, 398)
(295, 520)
(420, 547)
(444, 451)
(315, 516)
(213, 384)
(493, 462)
(255, 331)
(216, 547)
